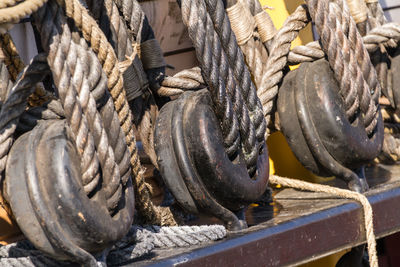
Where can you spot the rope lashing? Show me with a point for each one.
(152, 64)
(107, 57)
(342, 193)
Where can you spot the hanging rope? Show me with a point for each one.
(237, 64)
(243, 25)
(278, 58)
(342, 193)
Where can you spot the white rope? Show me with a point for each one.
(343, 193)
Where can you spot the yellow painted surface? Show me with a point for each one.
(282, 160)
(279, 10)
(9, 231)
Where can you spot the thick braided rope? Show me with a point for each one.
(277, 60)
(130, 66)
(222, 84)
(15, 104)
(371, 90)
(376, 15)
(240, 71)
(51, 34)
(342, 193)
(76, 73)
(350, 61)
(203, 43)
(225, 51)
(108, 59)
(252, 47)
(123, 46)
(184, 236)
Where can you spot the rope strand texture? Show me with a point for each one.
(343, 193)
(230, 108)
(237, 64)
(189, 79)
(138, 242)
(15, 104)
(13, 11)
(93, 34)
(191, 11)
(278, 57)
(350, 61)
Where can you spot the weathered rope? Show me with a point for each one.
(15, 104)
(13, 11)
(253, 49)
(277, 60)
(191, 10)
(152, 65)
(77, 72)
(342, 193)
(138, 242)
(245, 86)
(185, 80)
(229, 108)
(107, 57)
(15, 66)
(13, 61)
(350, 61)
(387, 35)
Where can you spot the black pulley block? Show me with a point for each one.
(313, 119)
(394, 80)
(195, 167)
(45, 191)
